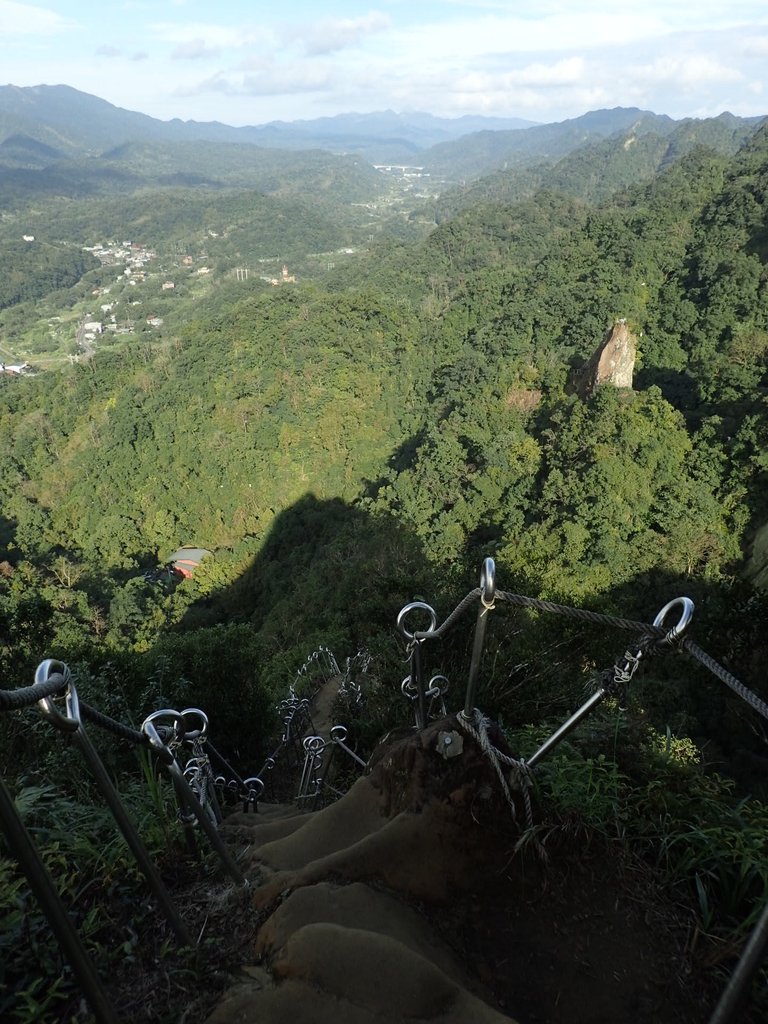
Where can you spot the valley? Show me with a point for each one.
(348, 383)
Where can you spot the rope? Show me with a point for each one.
(26, 696)
(457, 612)
(224, 764)
(519, 776)
(600, 618)
(583, 614)
(722, 673)
(125, 732)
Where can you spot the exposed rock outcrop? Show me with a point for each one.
(336, 949)
(403, 901)
(613, 362)
(388, 825)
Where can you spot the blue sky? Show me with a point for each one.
(249, 62)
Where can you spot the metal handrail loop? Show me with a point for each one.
(488, 583)
(201, 732)
(422, 606)
(157, 743)
(254, 785)
(71, 721)
(338, 737)
(251, 794)
(408, 689)
(414, 649)
(686, 614)
(438, 686)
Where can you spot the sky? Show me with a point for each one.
(251, 62)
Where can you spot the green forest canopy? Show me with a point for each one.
(348, 444)
(402, 389)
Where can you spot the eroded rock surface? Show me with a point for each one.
(613, 363)
(335, 946)
(404, 902)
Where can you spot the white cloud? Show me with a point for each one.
(531, 88)
(287, 81)
(218, 37)
(569, 71)
(195, 49)
(755, 46)
(29, 20)
(683, 70)
(263, 77)
(333, 34)
(669, 15)
(549, 61)
(504, 36)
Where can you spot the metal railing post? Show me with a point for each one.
(72, 723)
(44, 891)
(487, 594)
(737, 989)
(184, 793)
(414, 645)
(622, 675)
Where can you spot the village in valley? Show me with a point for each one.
(135, 288)
(135, 291)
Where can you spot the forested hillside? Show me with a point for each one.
(344, 445)
(431, 385)
(545, 145)
(597, 168)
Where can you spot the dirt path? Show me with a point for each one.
(403, 900)
(322, 707)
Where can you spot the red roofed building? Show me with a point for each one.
(186, 560)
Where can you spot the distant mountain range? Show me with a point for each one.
(57, 140)
(70, 123)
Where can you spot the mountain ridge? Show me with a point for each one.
(94, 124)
(77, 124)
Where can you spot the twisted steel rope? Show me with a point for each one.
(582, 614)
(222, 761)
(26, 696)
(457, 612)
(600, 618)
(125, 732)
(520, 777)
(727, 677)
